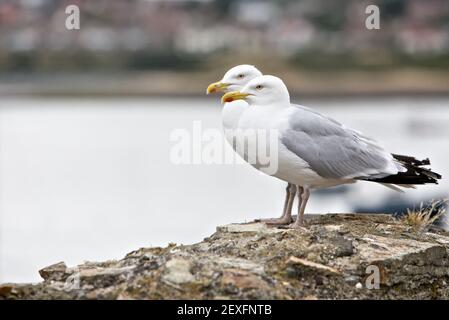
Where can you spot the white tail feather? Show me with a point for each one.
(397, 187)
(392, 187)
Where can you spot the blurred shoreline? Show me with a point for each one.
(193, 83)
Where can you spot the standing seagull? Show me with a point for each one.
(315, 151)
(233, 80)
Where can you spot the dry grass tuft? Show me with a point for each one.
(421, 219)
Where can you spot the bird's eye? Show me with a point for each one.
(241, 76)
(259, 87)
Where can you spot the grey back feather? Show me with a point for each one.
(332, 150)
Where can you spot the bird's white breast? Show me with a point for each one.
(230, 114)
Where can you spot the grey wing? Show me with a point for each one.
(334, 151)
(358, 133)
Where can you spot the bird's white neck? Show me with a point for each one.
(271, 107)
(232, 112)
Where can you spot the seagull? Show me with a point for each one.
(315, 151)
(233, 80)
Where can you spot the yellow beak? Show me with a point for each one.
(233, 95)
(216, 87)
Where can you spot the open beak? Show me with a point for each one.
(234, 95)
(216, 87)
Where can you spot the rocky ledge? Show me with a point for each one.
(350, 256)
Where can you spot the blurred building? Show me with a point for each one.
(141, 34)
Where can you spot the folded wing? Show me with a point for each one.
(334, 151)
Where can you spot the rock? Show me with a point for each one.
(178, 271)
(5, 289)
(238, 263)
(344, 246)
(312, 266)
(104, 276)
(248, 227)
(333, 257)
(243, 280)
(56, 272)
(333, 227)
(373, 248)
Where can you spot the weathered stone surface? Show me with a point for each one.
(177, 271)
(306, 265)
(248, 227)
(328, 259)
(57, 272)
(6, 289)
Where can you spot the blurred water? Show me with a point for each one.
(90, 179)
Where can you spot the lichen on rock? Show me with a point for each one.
(330, 258)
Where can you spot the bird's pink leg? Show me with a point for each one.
(303, 196)
(286, 217)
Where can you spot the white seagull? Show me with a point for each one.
(233, 80)
(315, 151)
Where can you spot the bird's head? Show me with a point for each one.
(263, 90)
(234, 79)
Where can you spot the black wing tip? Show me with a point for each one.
(416, 174)
(411, 160)
(401, 179)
